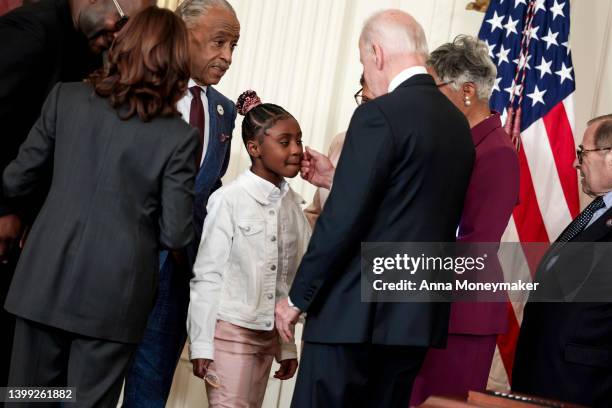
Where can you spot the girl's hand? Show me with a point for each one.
(200, 366)
(287, 369)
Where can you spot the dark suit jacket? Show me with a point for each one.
(564, 350)
(120, 189)
(222, 116)
(40, 47)
(402, 177)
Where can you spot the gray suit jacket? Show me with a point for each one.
(120, 191)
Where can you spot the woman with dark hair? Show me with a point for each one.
(123, 165)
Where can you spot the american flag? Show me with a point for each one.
(528, 40)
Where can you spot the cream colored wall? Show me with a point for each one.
(591, 43)
(302, 55)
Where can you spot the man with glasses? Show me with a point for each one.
(42, 44)
(564, 349)
(391, 185)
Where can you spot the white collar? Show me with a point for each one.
(194, 83)
(404, 75)
(607, 198)
(261, 189)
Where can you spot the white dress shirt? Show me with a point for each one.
(184, 107)
(607, 198)
(404, 75)
(253, 240)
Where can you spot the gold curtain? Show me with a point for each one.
(169, 4)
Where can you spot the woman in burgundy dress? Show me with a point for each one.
(466, 75)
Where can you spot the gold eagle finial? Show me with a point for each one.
(478, 5)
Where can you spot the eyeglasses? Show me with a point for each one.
(441, 84)
(360, 97)
(123, 19)
(581, 151)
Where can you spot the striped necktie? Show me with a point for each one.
(582, 220)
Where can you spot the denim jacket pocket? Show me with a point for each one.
(249, 228)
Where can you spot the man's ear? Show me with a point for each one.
(253, 148)
(379, 56)
(431, 72)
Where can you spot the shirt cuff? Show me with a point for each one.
(286, 351)
(206, 351)
(291, 305)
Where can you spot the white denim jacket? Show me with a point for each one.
(253, 239)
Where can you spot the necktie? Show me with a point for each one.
(196, 118)
(581, 220)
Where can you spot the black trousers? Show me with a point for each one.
(356, 375)
(7, 321)
(45, 356)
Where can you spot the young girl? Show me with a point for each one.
(254, 236)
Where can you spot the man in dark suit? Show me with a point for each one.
(564, 349)
(213, 33)
(42, 44)
(402, 177)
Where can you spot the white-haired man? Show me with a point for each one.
(213, 30)
(391, 185)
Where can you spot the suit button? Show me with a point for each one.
(273, 267)
(270, 296)
(247, 228)
(273, 239)
(271, 212)
(268, 324)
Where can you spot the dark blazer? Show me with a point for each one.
(222, 117)
(120, 191)
(402, 177)
(564, 350)
(40, 47)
